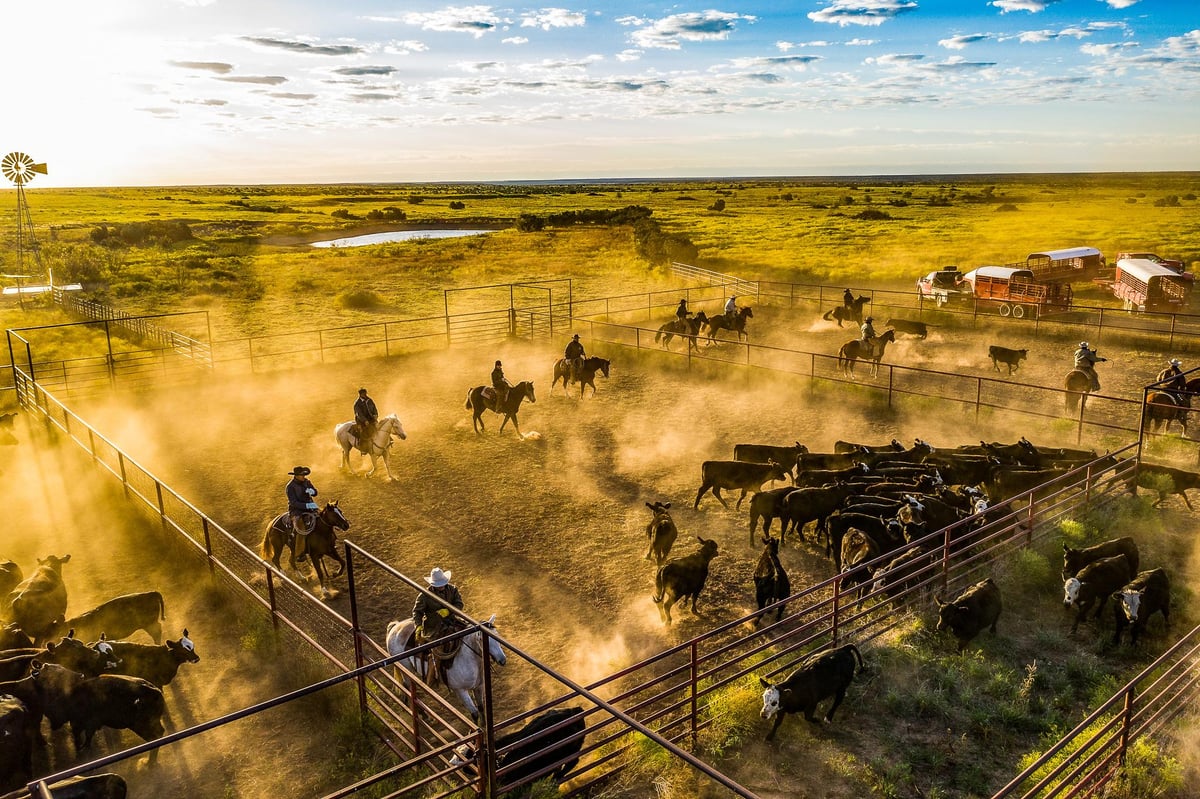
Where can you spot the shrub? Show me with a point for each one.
(342, 213)
(530, 223)
(457, 205)
(1007, 207)
(718, 205)
(872, 215)
(359, 300)
(1170, 201)
(388, 213)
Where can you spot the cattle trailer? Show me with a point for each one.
(1014, 291)
(1143, 285)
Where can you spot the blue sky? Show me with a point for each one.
(287, 91)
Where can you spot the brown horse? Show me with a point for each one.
(322, 543)
(847, 313)
(587, 375)
(855, 350)
(738, 325)
(1164, 407)
(686, 329)
(1078, 385)
(483, 398)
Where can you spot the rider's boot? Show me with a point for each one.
(301, 548)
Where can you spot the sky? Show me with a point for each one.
(170, 92)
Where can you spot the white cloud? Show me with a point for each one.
(895, 59)
(1119, 4)
(548, 18)
(629, 55)
(1105, 50)
(1185, 46)
(1036, 36)
(515, 40)
(861, 42)
(861, 12)
(961, 42)
(404, 47)
(695, 26)
(797, 62)
(783, 47)
(1032, 6)
(475, 20)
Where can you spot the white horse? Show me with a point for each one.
(464, 675)
(377, 447)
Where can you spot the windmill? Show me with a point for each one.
(19, 168)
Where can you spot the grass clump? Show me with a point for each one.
(359, 300)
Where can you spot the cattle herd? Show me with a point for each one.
(78, 671)
(872, 502)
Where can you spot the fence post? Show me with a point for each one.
(891, 373)
(387, 344)
(489, 720)
(1126, 718)
(355, 630)
(321, 344)
(695, 677)
(162, 513)
(1082, 405)
(1029, 522)
(1100, 324)
(271, 597)
(945, 560)
(1087, 493)
(812, 373)
(1171, 340)
(978, 396)
(124, 479)
(207, 544)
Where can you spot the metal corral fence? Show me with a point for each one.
(142, 326)
(1091, 755)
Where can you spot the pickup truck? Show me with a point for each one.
(943, 286)
(1174, 266)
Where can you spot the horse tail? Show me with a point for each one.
(842, 357)
(828, 317)
(469, 399)
(659, 334)
(265, 550)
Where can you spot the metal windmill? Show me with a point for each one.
(19, 168)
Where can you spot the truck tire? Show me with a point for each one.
(941, 300)
(1005, 309)
(1018, 312)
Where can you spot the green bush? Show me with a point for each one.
(359, 300)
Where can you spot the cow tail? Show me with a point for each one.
(659, 588)
(858, 655)
(162, 608)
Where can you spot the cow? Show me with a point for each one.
(41, 598)
(889, 533)
(68, 652)
(1146, 594)
(716, 475)
(804, 505)
(661, 532)
(904, 572)
(1097, 580)
(155, 664)
(818, 678)
(827, 460)
(89, 703)
(16, 750)
(25, 690)
(10, 577)
(1004, 355)
(908, 326)
(1007, 483)
(819, 477)
(767, 505)
(1151, 476)
(553, 737)
(680, 578)
(771, 582)
(766, 453)
(97, 786)
(850, 446)
(1076, 559)
(13, 637)
(968, 613)
(117, 618)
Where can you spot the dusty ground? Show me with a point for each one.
(548, 533)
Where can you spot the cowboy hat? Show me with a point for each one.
(1176, 362)
(576, 336)
(1083, 345)
(301, 471)
(362, 391)
(437, 578)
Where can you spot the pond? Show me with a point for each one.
(398, 235)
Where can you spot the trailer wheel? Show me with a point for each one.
(1005, 309)
(1018, 312)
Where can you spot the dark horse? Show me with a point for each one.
(687, 329)
(853, 351)
(847, 313)
(587, 375)
(1164, 407)
(322, 543)
(1078, 385)
(738, 325)
(483, 398)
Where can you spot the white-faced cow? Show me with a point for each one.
(661, 532)
(680, 578)
(1146, 594)
(69, 652)
(155, 664)
(1095, 581)
(716, 475)
(818, 678)
(1075, 559)
(545, 748)
(42, 598)
(970, 612)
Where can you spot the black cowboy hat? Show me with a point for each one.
(301, 471)
(362, 391)
(575, 336)
(497, 363)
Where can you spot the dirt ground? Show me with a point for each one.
(548, 532)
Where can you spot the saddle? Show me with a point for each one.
(438, 659)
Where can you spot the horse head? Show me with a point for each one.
(391, 424)
(498, 655)
(332, 515)
(746, 312)
(603, 364)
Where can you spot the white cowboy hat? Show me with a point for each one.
(437, 578)
(1083, 345)
(1176, 362)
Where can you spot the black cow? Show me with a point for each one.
(909, 326)
(850, 446)
(97, 786)
(804, 505)
(1076, 559)
(680, 578)
(716, 475)
(25, 690)
(767, 453)
(828, 460)
(1007, 483)
(42, 598)
(16, 750)
(89, 703)
(10, 577)
(68, 652)
(1004, 355)
(554, 736)
(767, 505)
(889, 533)
(1151, 476)
(818, 678)
(117, 618)
(155, 664)
(771, 582)
(819, 477)
(904, 572)
(1148, 593)
(968, 613)
(1097, 580)
(661, 532)
(13, 637)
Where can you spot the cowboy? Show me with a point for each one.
(302, 510)
(682, 311)
(731, 308)
(867, 335)
(575, 355)
(366, 417)
(1173, 373)
(847, 299)
(428, 613)
(1086, 360)
(501, 384)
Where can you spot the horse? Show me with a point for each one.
(1078, 385)
(847, 313)
(464, 672)
(687, 329)
(738, 325)
(377, 448)
(483, 398)
(322, 543)
(1164, 407)
(852, 351)
(587, 375)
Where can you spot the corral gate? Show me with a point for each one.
(535, 308)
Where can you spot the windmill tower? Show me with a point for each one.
(20, 169)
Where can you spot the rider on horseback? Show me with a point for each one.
(682, 311)
(433, 617)
(501, 384)
(575, 355)
(867, 336)
(366, 417)
(1086, 360)
(1174, 374)
(302, 510)
(731, 308)
(848, 299)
